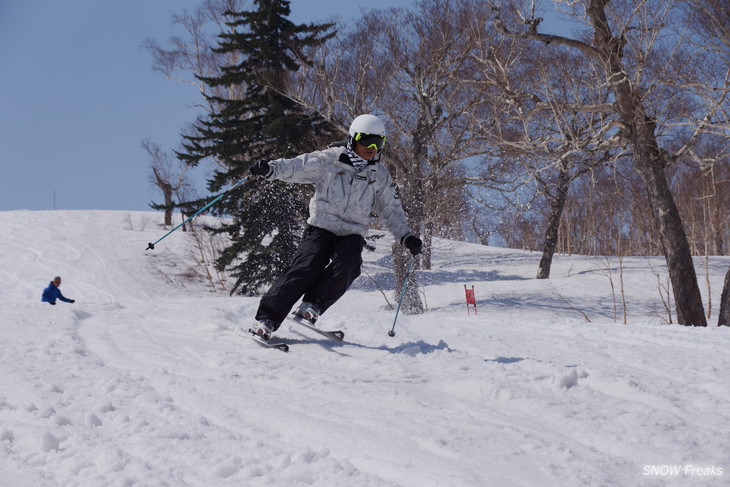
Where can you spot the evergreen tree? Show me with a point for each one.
(256, 121)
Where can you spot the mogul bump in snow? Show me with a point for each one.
(350, 185)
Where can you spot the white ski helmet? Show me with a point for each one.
(367, 124)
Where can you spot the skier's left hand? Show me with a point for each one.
(413, 244)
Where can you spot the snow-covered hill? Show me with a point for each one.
(144, 381)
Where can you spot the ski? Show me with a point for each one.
(277, 345)
(337, 335)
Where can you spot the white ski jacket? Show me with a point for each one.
(344, 199)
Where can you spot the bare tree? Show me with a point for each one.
(428, 99)
(622, 44)
(551, 123)
(191, 58)
(167, 174)
(415, 68)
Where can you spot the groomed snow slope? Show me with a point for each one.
(145, 382)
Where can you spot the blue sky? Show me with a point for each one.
(78, 95)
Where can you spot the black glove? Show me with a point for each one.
(413, 244)
(52, 303)
(71, 300)
(260, 168)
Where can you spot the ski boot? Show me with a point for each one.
(308, 311)
(263, 329)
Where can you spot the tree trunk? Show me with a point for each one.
(169, 203)
(167, 191)
(687, 298)
(427, 238)
(557, 204)
(412, 198)
(411, 304)
(724, 319)
(411, 201)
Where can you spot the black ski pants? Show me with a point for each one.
(323, 268)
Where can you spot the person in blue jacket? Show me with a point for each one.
(52, 293)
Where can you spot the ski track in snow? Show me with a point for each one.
(145, 381)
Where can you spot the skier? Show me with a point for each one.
(350, 185)
(52, 293)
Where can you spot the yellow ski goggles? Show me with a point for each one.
(370, 140)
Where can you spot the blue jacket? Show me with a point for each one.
(52, 293)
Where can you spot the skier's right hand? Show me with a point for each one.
(260, 168)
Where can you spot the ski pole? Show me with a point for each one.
(152, 245)
(391, 333)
